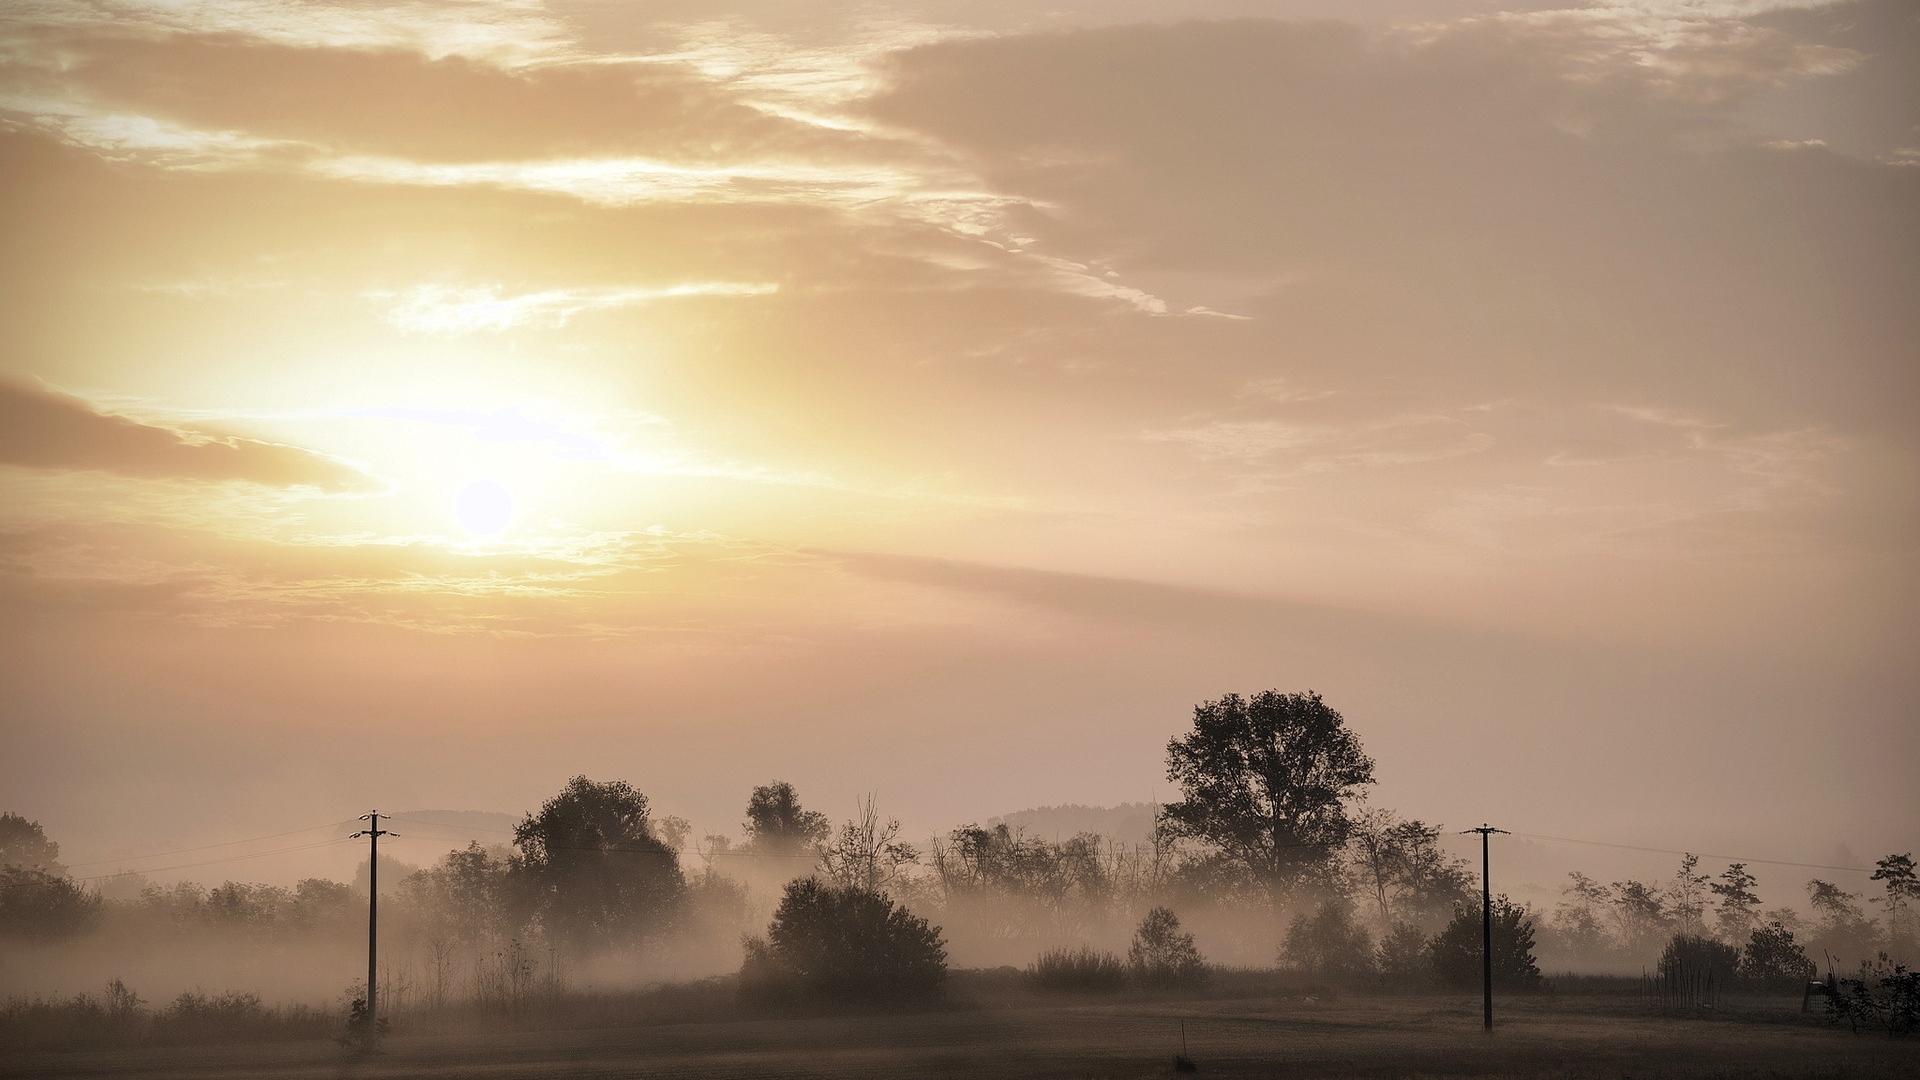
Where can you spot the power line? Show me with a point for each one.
(1702, 854)
(208, 847)
(186, 866)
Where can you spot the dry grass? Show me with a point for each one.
(1017, 1037)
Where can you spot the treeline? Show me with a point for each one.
(1271, 857)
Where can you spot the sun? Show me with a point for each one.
(483, 508)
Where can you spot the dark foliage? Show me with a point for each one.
(1884, 995)
(776, 822)
(1162, 956)
(1456, 951)
(838, 943)
(1329, 942)
(1773, 960)
(590, 868)
(1084, 969)
(1264, 781)
(1693, 955)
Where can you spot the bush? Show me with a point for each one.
(1885, 994)
(1083, 969)
(1774, 961)
(1162, 956)
(197, 1017)
(1456, 951)
(1404, 957)
(831, 941)
(1692, 956)
(1329, 942)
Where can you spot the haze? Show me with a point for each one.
(414, 406)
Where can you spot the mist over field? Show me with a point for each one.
(936, 519)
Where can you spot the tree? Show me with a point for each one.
(777, 823)
(1737, 901)
(1688, 896)
(1162, 955)
(1577, 918)
(1841, 927)
(1400, 867)
(867, 854)
(1265, 782)
(1329, 942)
(1456, 951)
(1639, 914)
(1903, 889)
(1773, 960)
(1405, 955)
(24, 846)
(590, 868)
(847, 943)
(37, 898)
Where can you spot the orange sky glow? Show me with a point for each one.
(414, 405)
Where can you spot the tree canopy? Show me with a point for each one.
(591, 869)
(776, 822)
(1265, 782)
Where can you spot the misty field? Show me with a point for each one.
(1000, 1031)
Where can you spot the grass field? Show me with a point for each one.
(1023, 1036)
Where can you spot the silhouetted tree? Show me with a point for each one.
(845, 943)
(1841, 928)
(1265, 782)
(37, 898)
(1577, 918)
(1773, 960)
(590, 868)
(1639, 915)
(777, 823)
(1009, 884)
(1738, 904)
(1162, 955)
(1687, 896)
(1328, 942)
(1405, 957)
(24, 846)
(1399, 866)
(1456, 951)
(867, 854)
(1903, 890)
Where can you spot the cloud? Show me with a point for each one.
(43, 430)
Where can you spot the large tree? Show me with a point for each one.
(777, 823)
(1265, 782)
(591, 869)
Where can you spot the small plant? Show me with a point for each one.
(1162, 955)
(362, 1034)
(1084, 969)
(1884, 994)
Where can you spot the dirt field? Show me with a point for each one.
(1569, 1037)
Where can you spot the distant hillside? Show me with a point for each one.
(1128, 823)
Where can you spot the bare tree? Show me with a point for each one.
(867, 854)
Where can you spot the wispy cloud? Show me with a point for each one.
(442, 309)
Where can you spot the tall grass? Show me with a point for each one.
(1084, 969)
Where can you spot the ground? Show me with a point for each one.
(1563, 1037)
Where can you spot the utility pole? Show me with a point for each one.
(373, 832)
(1486, 924)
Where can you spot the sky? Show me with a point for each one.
(410, 406)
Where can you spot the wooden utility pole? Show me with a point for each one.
(1486, 924)
(373, 832)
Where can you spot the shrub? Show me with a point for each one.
(1885, 994)
(832, 941)
(1773, 960)
(1162, 955)
(1689, 955)
(1084, 969)
(197, 1017)
(1329, 942)
(1403, 956)
(1456, 951)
